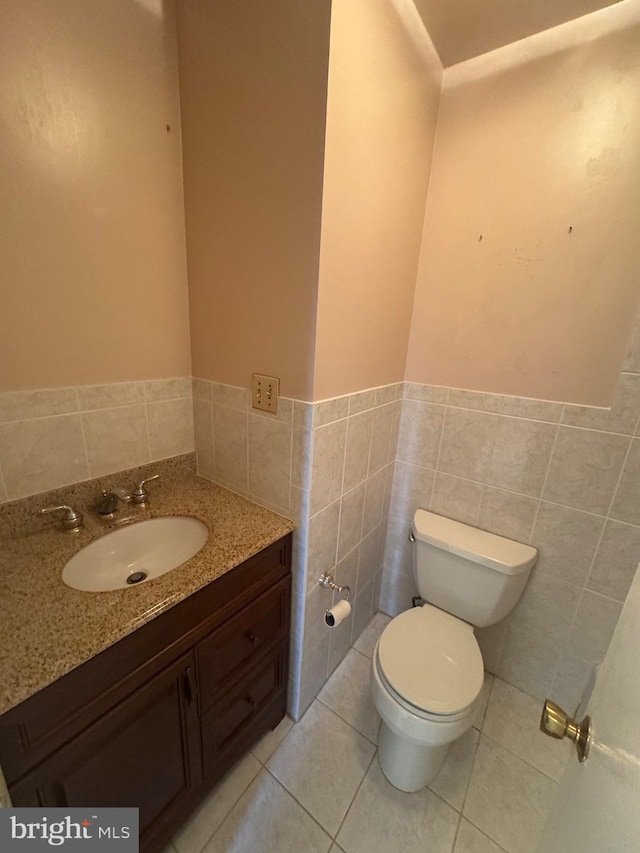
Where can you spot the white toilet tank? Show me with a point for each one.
(475, 575)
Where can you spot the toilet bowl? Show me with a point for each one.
(427, 669)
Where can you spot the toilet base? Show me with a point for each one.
(408, 765)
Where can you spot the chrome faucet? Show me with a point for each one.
(109, 503)
(71, 520)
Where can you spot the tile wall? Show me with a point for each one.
(328, 466)
(59, 436)
(561, 477)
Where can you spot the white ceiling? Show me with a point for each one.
(462, 29)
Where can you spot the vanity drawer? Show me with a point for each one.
(242, 640)
(236, 711)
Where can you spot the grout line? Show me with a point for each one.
(546, 477)
(357, 791)
(619, 480)
(82, 432)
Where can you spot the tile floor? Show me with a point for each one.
(316, 786)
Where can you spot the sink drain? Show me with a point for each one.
(136, 577)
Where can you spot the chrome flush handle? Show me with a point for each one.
(556, 723)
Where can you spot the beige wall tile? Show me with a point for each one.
(313, 673)
(24, 405)
(547, 609)
(621, 417)
(302, 414)
(425, 393)
(456, 498)
(323, 542)
(626, 503)
(593, 628)
(328, 463)
(374, 501)
(230, 396)
(108, 396)
(616, 561)
(201, 388)
(328, 411)
(301, 457)
(571, 682)
(537, 410)
(362, 401)
(520, 455)
(467, 438)
(412, 487)
(369, 561)
(566, 540)
(585, 467)
(632, 356)
(171, 427)
(385, 394)
(507, 514)
(116, 439)
(420, 432)
(203, 433)
(528, 662)
(156, 390)
(230, 441)
(474, 400)
(362, 610)
(42, 454)
(270, 460)
(356, 460)
(351, 517)
(380, 437)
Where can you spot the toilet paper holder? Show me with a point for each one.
(328, 582)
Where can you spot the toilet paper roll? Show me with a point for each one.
(335, 615)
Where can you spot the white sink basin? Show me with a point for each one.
(128, 557)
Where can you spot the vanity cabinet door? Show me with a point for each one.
(145, 752)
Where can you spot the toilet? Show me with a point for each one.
(427, 669)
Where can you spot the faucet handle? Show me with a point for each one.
(71, 520)
(139, 493)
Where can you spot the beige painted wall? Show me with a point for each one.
(530, 148)
(253, 80)
(93, 285)
(381, 115)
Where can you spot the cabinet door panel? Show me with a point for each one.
(242, 639)
(236, 711)
(143, 753)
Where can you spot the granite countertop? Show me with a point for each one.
(47, 628)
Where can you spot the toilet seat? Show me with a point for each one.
(431, 662)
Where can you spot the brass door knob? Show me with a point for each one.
(557, 723)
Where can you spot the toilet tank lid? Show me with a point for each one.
(496, 552)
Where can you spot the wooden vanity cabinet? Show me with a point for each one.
(156, 720)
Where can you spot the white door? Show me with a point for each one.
(597, 805)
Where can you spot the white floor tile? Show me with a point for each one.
(507, 799)
(206, 820)
(321, 762)
(513, 720)
(366, 642)
(383, 819)
(348, 694)
(471, 840)
(265, 748)
(267, 819)
(451, 782)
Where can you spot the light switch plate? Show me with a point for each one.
(264, 393)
